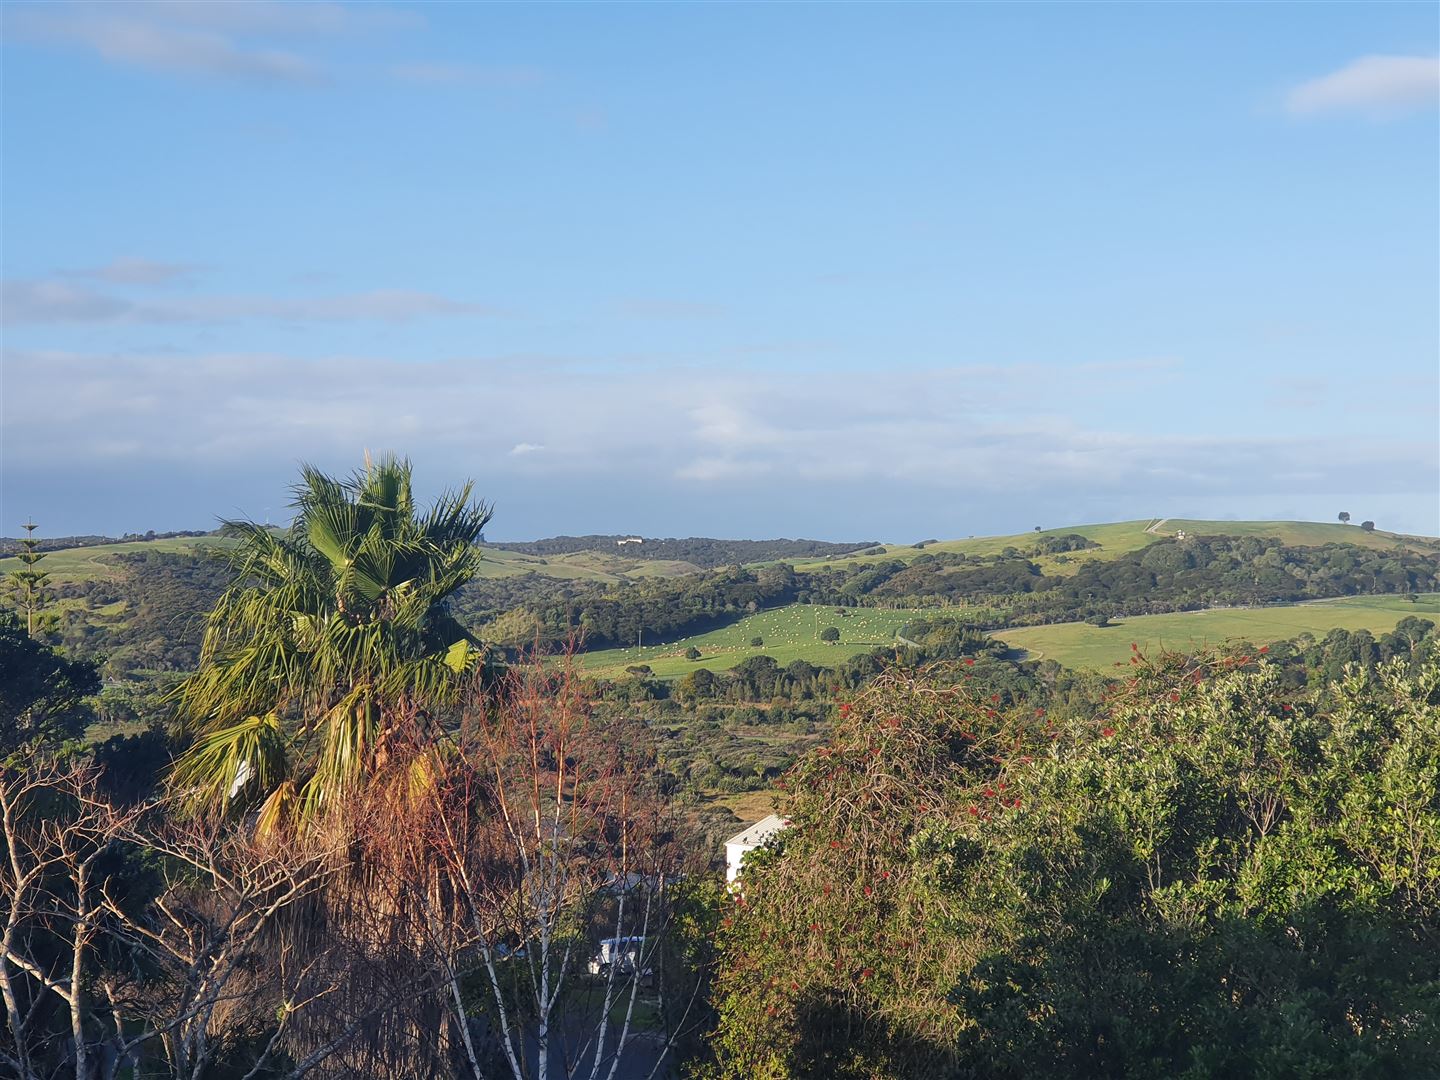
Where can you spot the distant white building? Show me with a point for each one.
(630, 540)
(742, 843)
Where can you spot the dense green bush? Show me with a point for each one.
(1211, 878)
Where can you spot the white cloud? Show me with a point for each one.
(1372, 83)
(941, 434)
(136, 271)
(59, 302)
(221, 38)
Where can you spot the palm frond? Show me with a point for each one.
(341, 622)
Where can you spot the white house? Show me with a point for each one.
(757, 835)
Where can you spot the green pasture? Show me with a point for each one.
(94, 563)
(1300, 533)
(1082, 646)
(1117, 538)
(580, 565)
(790, 633)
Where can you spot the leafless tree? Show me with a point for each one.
(170, 976)
(531, 873)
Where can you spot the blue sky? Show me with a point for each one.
(740, 270)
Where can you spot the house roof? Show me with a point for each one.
(761, 831)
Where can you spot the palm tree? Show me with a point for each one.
(334, 637)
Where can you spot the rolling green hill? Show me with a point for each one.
(1117, 538)
(1082, 646)
(789, 633)
(97, 562)
(580, 565)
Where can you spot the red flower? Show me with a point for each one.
(1134, 647)
(868, 890)
(867, 973)
(989, 793)
(1039, 712)
(844, 708)
(1107, 732)
(974, 811)
(1288, 707)
(1015, 801)
(1174, 697)
(970, 662)
(1264, 648)
(794, 986)
(834, 843)
(827, 890)
(884, 873)
(815, 926)
(995, 698)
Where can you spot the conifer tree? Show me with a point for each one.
(30, 585)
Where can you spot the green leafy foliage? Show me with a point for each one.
(42, 693)
(338, 625)
(1209, 878)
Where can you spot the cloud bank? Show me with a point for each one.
(1372, 83)
(55, 301)
(757, 446)
(215, 39)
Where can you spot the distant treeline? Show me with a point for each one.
(703, 551)
(1011, 589)
(10, 545)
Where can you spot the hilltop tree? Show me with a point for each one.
(1344, 517)
(333, 641)
(30, 584)
(1368, 526)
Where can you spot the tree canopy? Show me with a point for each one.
(333, 638)
(1208, 878)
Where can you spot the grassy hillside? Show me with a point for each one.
(92, 563)
(89, 563)
(1299, 533)
(789, 633)
(1117, 538)
(1080, 645)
